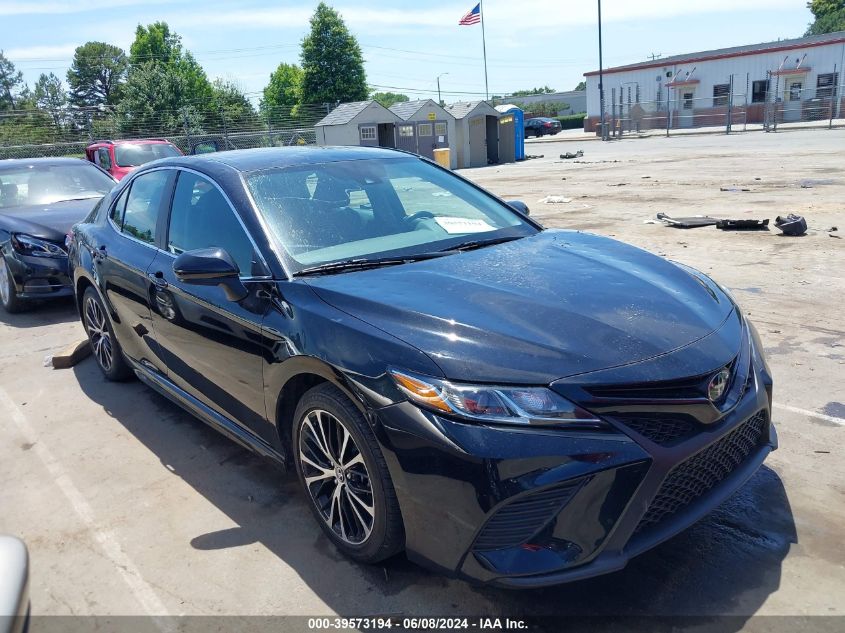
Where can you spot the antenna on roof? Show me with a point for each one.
(654, 56)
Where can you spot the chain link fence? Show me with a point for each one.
(67, 132)
(781, 101)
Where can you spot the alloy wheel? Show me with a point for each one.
(5, 286)
(98, 333)
(336, 476)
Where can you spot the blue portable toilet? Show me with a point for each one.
(518, 128)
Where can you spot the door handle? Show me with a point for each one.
(158, 279)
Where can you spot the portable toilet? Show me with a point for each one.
(518, 128)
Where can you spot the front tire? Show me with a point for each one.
(345, 477)
(107, 351)
(8, 295)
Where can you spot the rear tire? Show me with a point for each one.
(8, 295)
(345, 477)
(107, 351)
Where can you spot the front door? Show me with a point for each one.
(122, 263)
(441, 135)
(477, 142)
(212, 345)
(406, 137)
(425, 138)
(793, 91)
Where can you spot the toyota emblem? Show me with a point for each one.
(718, 384)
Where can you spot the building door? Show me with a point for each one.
(406, 137)
(793, 91)
(507, 139)
(686, 107)
(386, 135)
(477, 142)
(425, 138)
(492, 140)
(441, 134)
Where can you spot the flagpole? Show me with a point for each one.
(484, 48)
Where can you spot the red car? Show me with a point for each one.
(120, 157)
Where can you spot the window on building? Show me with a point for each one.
(759, 91)
(826, 84)
(795, 89)
(440, 129)
(368, 133)
(424, 129)
(406, 130)
(721, 92)
(687, 101)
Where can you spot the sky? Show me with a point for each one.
(406, 45)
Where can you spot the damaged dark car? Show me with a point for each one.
(505, 403)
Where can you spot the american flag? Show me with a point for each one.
(472, 17)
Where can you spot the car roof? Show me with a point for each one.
(247, 160)
(132, 141)
(17, 163)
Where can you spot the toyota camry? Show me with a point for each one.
(505, 403)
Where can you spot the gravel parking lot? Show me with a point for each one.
(131, 506)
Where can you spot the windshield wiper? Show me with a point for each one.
(363, 263)
(468, 246)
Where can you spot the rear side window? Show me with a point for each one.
(116, 214)
(105, 159)
(200, 217)
(143, 204)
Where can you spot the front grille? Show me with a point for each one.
(693, 478)
(516, 523)
(663, 430)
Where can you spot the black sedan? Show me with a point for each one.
(410, 344)
(541, 126)
(40, 199)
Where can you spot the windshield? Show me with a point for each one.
(373, 208)
(133, 155)
(45, 184)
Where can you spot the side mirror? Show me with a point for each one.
(210, 267)
(519, 205)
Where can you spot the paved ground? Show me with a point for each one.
(130, 506)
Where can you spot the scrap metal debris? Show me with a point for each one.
(792, 224)
(571, 155)
(734, 189)
(555, 200)
(688, 223)
(809, 183)
(743, 225)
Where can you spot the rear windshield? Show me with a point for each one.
(133, 155)
(45, 184)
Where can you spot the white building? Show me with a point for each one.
(793, 80)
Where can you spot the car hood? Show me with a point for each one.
(46, 221)
(536, 309)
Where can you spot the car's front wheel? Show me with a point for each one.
(345, 476)
(8, 295)
(107, 351)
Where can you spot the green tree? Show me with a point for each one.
(232, 104)
(11, 84)
(829, 16)
(582, 85)
(283, 91)
(533, 91)
(50, 96)
(155, 43)
(332, 63)
(387, 99)
(96, 74)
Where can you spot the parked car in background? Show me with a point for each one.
(40, 199)
(120, 157)
(408, 343)
(541, 126)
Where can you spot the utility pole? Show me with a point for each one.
(601, 81)
(439, 100)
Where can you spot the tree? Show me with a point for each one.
(332, 63)
(829, 16)
(155, 43)
(232, 104)
(582, 85)
(534, 91)
(283, 91)
(96, 74)
(11, 84)
(50, 96)
(387, 99)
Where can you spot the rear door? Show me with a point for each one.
(125, 252)
(425, 138)
(212, 345)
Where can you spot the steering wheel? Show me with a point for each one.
(419, 215)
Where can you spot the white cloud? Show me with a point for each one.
(78, 6)
(40, 53)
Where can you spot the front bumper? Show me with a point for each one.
(534, 507)
(40, 277)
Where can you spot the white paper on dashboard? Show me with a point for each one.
(463, 225)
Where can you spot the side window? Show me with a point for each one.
(105, 160)
(116, 214)
(143, 205)
(201, 218)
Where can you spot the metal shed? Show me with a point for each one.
(366, 123)
(477, 134)
(425, 127)
(518, 128)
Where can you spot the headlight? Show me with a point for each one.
(28, 245)
(537, 406)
